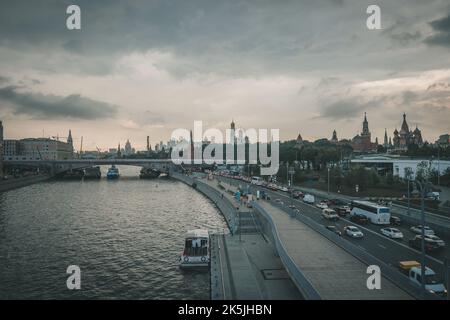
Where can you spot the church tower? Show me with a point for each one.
(365, 130)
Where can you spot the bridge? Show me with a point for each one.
(58, 166)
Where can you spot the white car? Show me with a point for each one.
(353, 232)
(392, 233)
(322, 205)
(433, 238)
(282, 188)
(418, 229)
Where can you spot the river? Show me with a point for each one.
(125, 235)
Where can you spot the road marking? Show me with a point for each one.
(381, 246)
(277, 193)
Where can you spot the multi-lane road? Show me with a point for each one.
(387, 250)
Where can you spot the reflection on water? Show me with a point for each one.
(125, 235)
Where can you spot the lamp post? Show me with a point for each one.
(422, 209)
(439, 167)
(408, 195)
(328, 168)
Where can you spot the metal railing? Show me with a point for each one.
(300, 280)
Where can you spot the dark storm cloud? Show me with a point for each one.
(46, 107)
(350, 108)
(442, 36)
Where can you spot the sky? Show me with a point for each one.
(139, 68)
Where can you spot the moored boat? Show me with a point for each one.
(196, 249)
(113, 173)
(92, 173)
(148, 173)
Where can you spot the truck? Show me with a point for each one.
(412, 269)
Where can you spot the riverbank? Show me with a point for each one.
(244, 263)
(14, 183)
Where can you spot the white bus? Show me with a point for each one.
(257, 180)
(375, 213)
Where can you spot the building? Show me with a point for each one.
(1, 149)
(334, 138)
(403, 138)
(38, 149)
(299, 142)
(11, 148)
(232, 132)
(401, 167)
(444, 140)
(362, 142)
(128, 149)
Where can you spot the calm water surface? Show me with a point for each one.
(125, 235)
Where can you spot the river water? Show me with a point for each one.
(125, 235)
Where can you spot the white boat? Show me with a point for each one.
(196, 249)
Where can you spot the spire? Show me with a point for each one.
(365, 130)
(69, 138)
(405, 127)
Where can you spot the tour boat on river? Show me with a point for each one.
(196, 249)
(113, 173)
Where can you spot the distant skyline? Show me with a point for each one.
(149, 67)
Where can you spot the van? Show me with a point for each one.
(309, 198)
(329, 214)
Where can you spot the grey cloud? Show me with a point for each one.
(4, 80)
(442, 35)
(241, 37)
(42, 106)
(350, 108)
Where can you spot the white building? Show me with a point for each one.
(400, 166)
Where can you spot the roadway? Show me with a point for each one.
(388, 250)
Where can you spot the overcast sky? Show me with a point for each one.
(148, 67)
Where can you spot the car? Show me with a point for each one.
(434, 195)
(418, 230)
(297, 194)
(416, 243)
(322, 205)
(335, 202)
(353, 232)
(279, 201)
(395, 221)
(433, 238)
(392, 233)
(342, 211)
(283, 188)
(359, 219)
(335, 230)
(291, 206)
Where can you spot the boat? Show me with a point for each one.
(113, 173)
(92, 173)
(196, 249)
(148, 173)
(73, 174)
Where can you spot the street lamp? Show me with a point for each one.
(328, 167)
(439, 167)
(422, 209)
